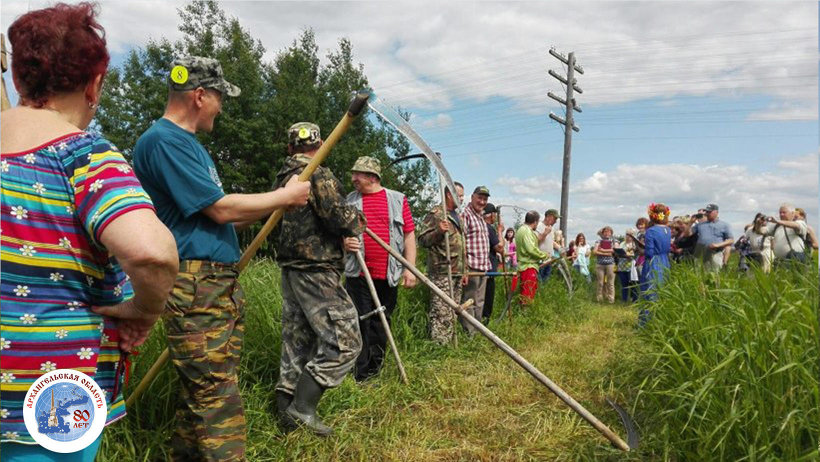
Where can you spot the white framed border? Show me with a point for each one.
(87, 384)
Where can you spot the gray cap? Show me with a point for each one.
(192, 72)
(711, 208)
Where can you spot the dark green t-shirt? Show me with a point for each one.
(181, 179)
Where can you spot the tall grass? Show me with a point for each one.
(730, 370)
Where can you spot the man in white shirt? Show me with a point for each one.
(546, 240)
(788, 235)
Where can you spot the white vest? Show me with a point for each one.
(395, 205)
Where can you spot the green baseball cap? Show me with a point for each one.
(482, 190)
(368, 164)
(553, 212)
(192, 72)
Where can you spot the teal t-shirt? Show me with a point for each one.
(179, 175)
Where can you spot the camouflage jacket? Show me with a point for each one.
(432, 238)
(310, 237)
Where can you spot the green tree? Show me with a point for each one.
(134, 94)
(249, 139)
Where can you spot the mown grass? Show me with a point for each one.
(469, 403)
(726, 370)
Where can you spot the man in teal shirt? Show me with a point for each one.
(529, 256)
(204, 318)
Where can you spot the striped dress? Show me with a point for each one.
(57, 199)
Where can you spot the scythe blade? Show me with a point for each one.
(393, 118)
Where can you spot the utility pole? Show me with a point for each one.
(568, 123)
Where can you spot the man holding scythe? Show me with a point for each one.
(204, 317)
(435, 229)
(320, 326)
(388, 215)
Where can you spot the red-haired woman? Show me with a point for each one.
(657, 243)
(70, 201)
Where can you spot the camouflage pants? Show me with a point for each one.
(442, 317)
(320, 329)
(204, 323)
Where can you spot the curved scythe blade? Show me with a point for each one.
(393, 118)
(402, 159)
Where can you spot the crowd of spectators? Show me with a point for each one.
(640, 259)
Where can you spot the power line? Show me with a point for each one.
(514, 147)
(648, 42)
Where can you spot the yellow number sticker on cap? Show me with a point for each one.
(304, 133)
(179, 74)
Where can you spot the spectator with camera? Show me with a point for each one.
(713, 236)
(788, 235)
(683, 246)
(759, 243)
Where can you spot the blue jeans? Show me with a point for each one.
(16, 452)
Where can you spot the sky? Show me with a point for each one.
(685, 103)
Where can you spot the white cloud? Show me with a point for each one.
(428, 54)
(438, 121)
(619, 196)
(529, 186)
(127, 23)
(786, 111)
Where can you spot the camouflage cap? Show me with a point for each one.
(482, 190)
(552, 212)
(192, 72)
(367, 164)
(304, 134)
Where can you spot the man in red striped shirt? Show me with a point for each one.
(388, 215)
(477, 242)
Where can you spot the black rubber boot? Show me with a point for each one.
(302, 411)
(283, 400)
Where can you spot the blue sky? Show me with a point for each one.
(684, 102)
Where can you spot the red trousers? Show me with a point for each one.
(529, 284)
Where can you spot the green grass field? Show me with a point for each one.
(726, 370)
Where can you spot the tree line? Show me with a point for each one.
(249, 141)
